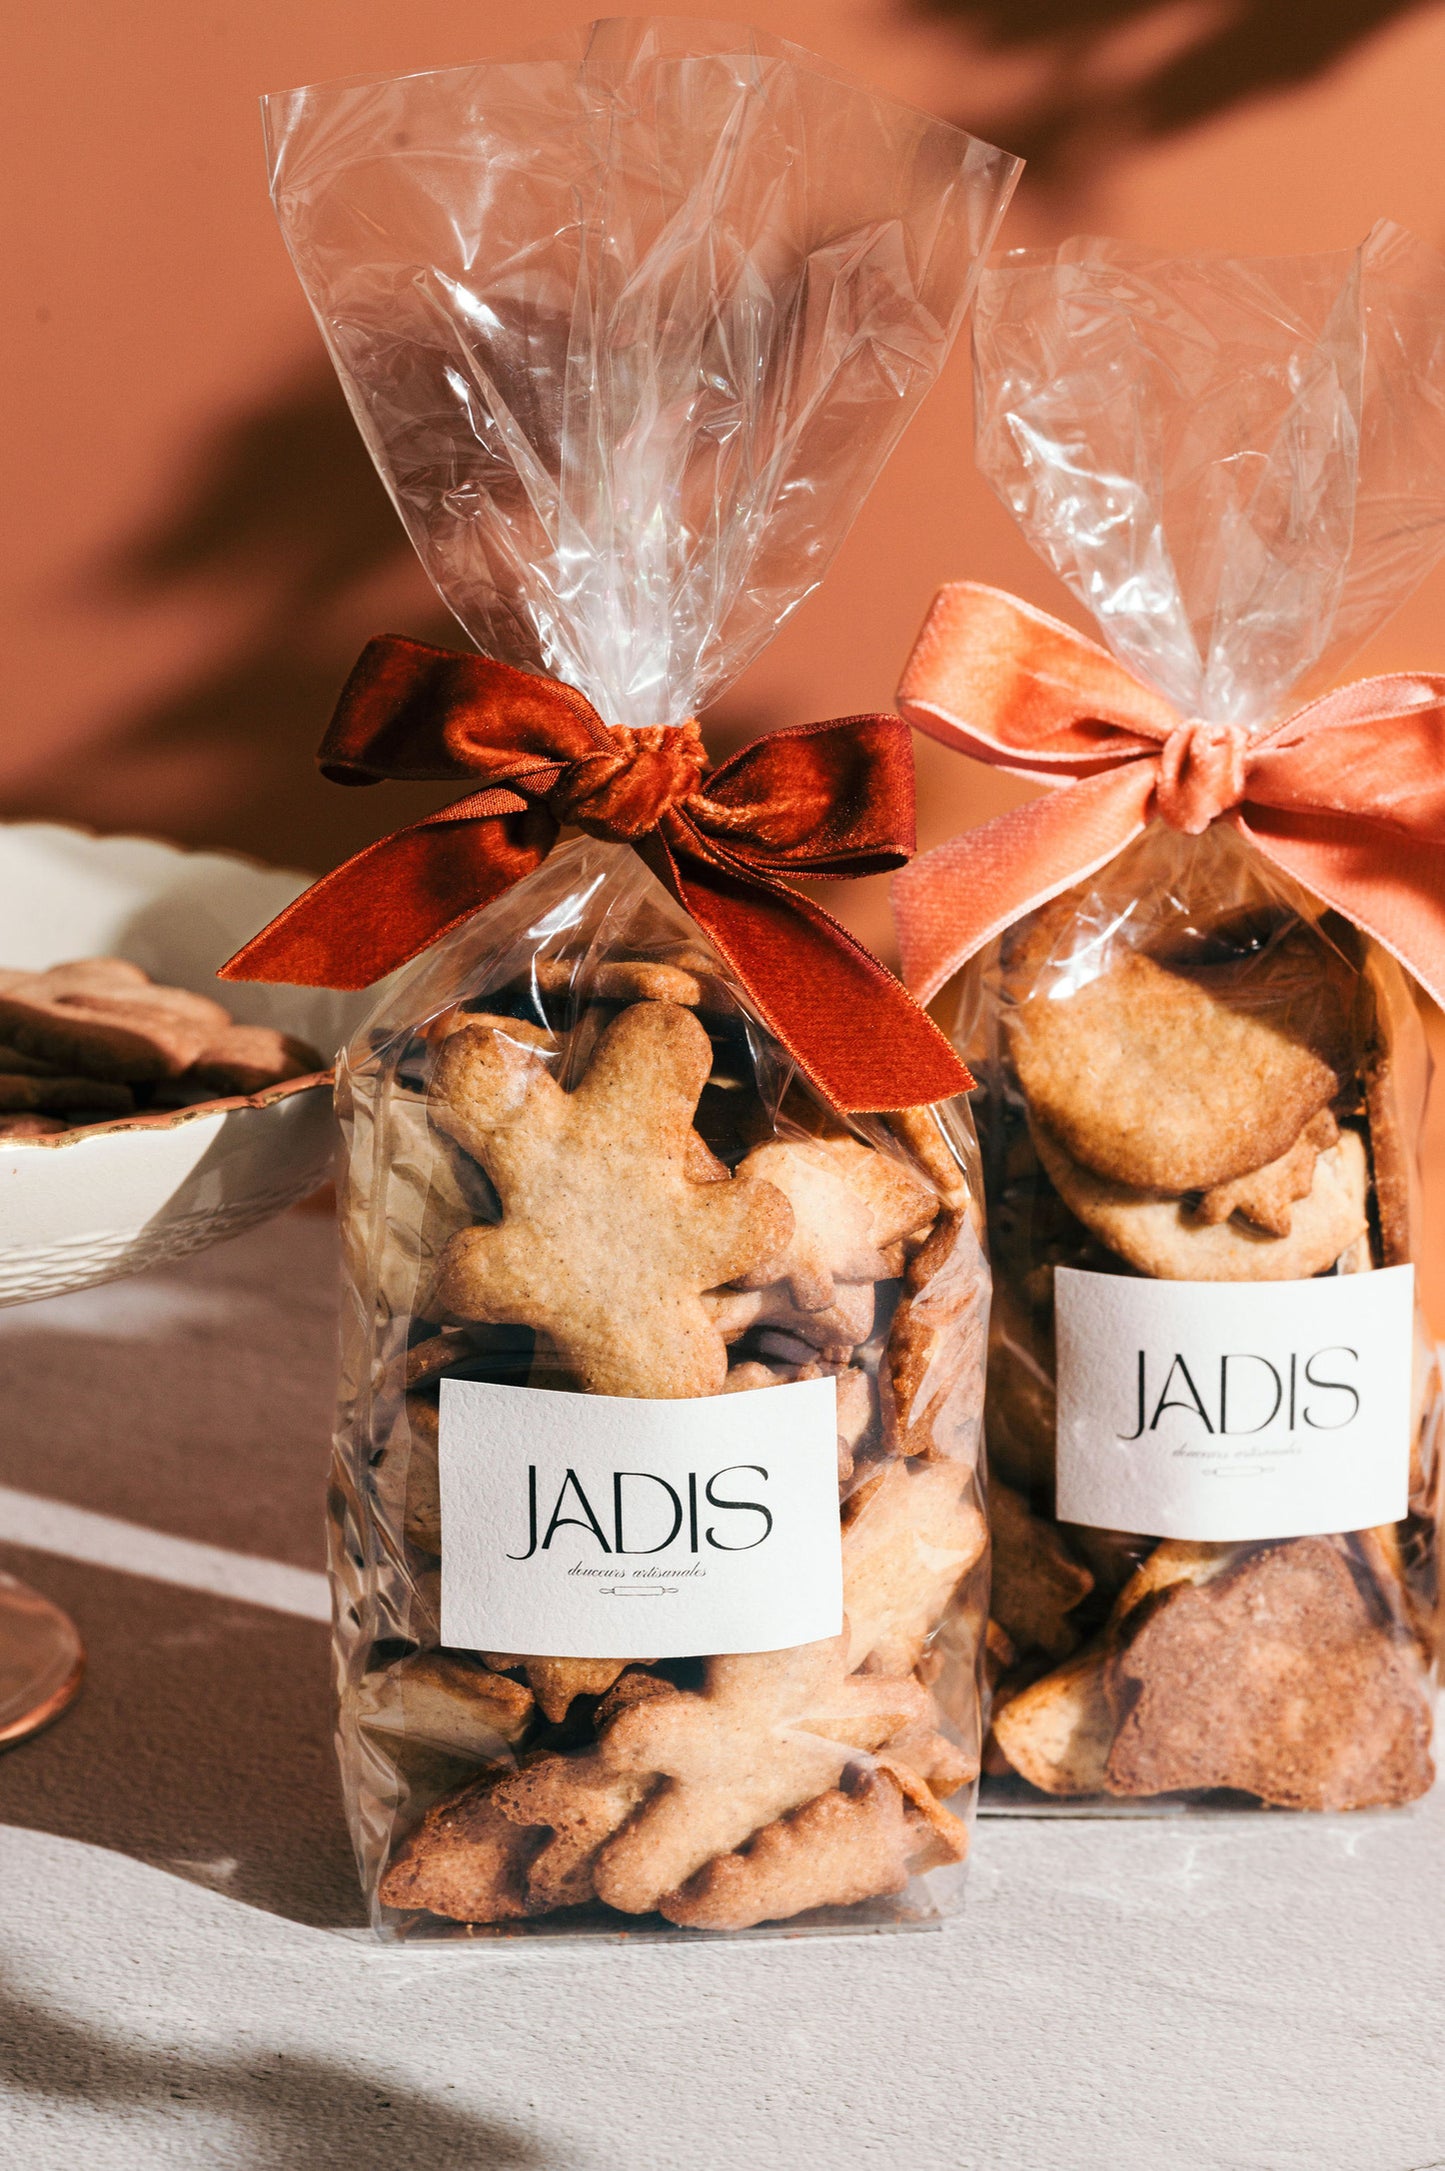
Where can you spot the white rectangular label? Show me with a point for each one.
(1234, 1410)
(593, 1526)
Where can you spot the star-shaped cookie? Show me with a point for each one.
(607, 1237)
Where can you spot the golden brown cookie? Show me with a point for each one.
(850, 1204)
(1173, 1560)
(443, 1699)
(936, 1349)
(910, 1536)
(1036, 1581)
(1175, 1079)
(855, 1398)
(557, 1682)
(432, 1359)
(618, 980)
(248, 1058)
(838, 1328)
(1276, 1678)
(405, 1480)
(465, 1860)
(104, 1018)
(767, 1732)
(1057, 1733)
(856, 1842)
(1020, 1414)
(572, 1805)
(1389, 1163)
(1164, 1238)
(1267, 1195)
(928, 1137)
(606, 1242)
(29, 1094)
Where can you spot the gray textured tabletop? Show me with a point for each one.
(186, 1981)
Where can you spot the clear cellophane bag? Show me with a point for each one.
(1190, 1071)
(629, 336)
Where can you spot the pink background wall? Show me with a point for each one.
(195, 545)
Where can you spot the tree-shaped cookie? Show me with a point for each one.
(768, 1731)
(607, 1238)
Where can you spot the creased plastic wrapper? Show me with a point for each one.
(658, 1537)
(1213, 1415)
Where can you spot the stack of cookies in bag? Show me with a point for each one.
(1185, 982)
(1199, 1096)
(615, 1209)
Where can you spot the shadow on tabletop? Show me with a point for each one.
(200, 1744)
(287, 2107)
(1096, 77)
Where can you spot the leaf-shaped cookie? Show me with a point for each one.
(767, 1731)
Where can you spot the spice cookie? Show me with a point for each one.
(1276, 1678)
(1175, 1079)
(465, 1861)
(249, 1058)
(1267, 1195)
(618, 980)
(1036, 1582)
(1389, 1163)
(851, 1206)
(1020, 1416)
(557, 1682)
(104, 1018)
(910, 1536)
(766, 1733)
(443, 1699)
(1057, 1732)
(856, 1842)
(563, 1165)
(837, 1328)
(570, 1806)
(936, 1351)
(1163, 1237)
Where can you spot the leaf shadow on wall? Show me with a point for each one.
(1078, 81)
(282, 552)
(285, 553)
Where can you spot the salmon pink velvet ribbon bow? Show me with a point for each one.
(823, 799)
(1347, 795)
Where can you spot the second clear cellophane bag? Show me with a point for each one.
(1213, 1410)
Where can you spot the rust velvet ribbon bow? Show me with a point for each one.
(823, 799)
(1347, 795)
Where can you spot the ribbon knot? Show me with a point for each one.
(822, 799)
(1201, 775)
(625, 792)
(1346, 796)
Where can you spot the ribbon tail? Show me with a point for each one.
(1390, 885)
(393, 900)
(962, 894)
(814, 987)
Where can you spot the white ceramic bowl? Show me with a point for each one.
(86, 1206)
